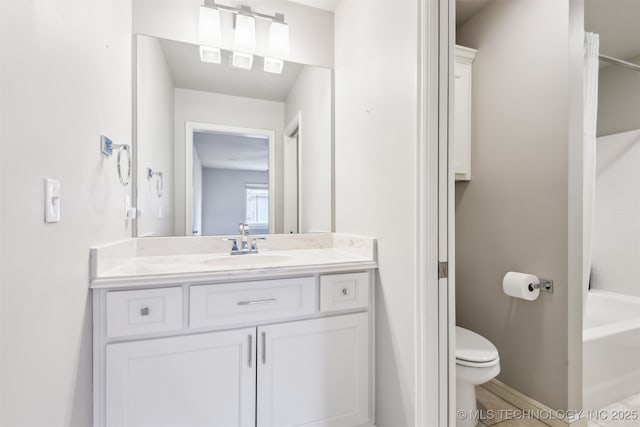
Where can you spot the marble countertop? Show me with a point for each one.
(135, 263)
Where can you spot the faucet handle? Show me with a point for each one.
(254, 245)
(234, 248)
(243, 228)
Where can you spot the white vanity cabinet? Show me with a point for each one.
(314, 372)
(462, 117)
(287, 351)
(194, 380)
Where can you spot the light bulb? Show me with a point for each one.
(279, 40)
(210, 54)
(273, 65)
(245, 40)
(209, 31)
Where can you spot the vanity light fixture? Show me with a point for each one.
(278, 45)
(210, 35)
(245, 43)
(245, 37)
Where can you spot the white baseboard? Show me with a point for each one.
(527, 404)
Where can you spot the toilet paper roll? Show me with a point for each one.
(520, 285)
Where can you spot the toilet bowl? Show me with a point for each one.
(477, 362)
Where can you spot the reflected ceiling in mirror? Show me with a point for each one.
(189, 72)
(230, 144)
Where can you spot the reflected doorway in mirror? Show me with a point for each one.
(229, 172)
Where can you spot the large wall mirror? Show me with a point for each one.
(217, 146)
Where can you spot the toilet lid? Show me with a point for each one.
(472, 348)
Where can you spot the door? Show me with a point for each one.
(196, 380)
(314, 372)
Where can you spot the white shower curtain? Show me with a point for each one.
(590, 100)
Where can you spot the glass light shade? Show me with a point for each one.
(279, 40)
(245, 34)
(210, 54)
(209, 31)
(242, 60)
(273, 65)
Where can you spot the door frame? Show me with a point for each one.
(435, 292)
(293, 132)
(190, 128)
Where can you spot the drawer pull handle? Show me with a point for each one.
(345, 291)
(258, 301)
(144, 311)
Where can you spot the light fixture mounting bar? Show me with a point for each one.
(245, 10)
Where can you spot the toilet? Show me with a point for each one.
(477, 362)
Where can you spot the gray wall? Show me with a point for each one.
(618, 99)
(223, 203)
(512, 215)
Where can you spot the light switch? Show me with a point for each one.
(51, 200)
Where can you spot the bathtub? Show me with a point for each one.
(611, 348)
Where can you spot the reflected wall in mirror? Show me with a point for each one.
(233, 146)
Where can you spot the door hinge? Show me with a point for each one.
(443, 270)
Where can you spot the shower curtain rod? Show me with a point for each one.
(616, 61)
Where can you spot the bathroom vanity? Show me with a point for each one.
(186, 334)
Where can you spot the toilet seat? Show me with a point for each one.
(474, 350)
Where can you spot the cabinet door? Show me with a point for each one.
(196, 380)
(314, 372)
(462, 121)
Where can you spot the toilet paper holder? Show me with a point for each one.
(545, 285)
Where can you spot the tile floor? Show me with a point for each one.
(624, 413)
(496, 412)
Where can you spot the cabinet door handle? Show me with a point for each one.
(250, 350)
(264, 348)
(144, 311)
(258, 301)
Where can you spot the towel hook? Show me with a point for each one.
(159, 181)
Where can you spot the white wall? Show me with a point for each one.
(223, 199)
(512, 215)
(618, 99)
(197, 193)
(311, 96)
(376, 99)
(155, 144)
(311, 29)
(206, 107)
(617, 214)
(66, 78)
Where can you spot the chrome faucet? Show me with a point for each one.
(244, 233)
(244, 244)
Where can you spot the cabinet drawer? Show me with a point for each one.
(344, 291)
(234, 303)
(144, 311)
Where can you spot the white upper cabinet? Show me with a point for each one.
(462, 123)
